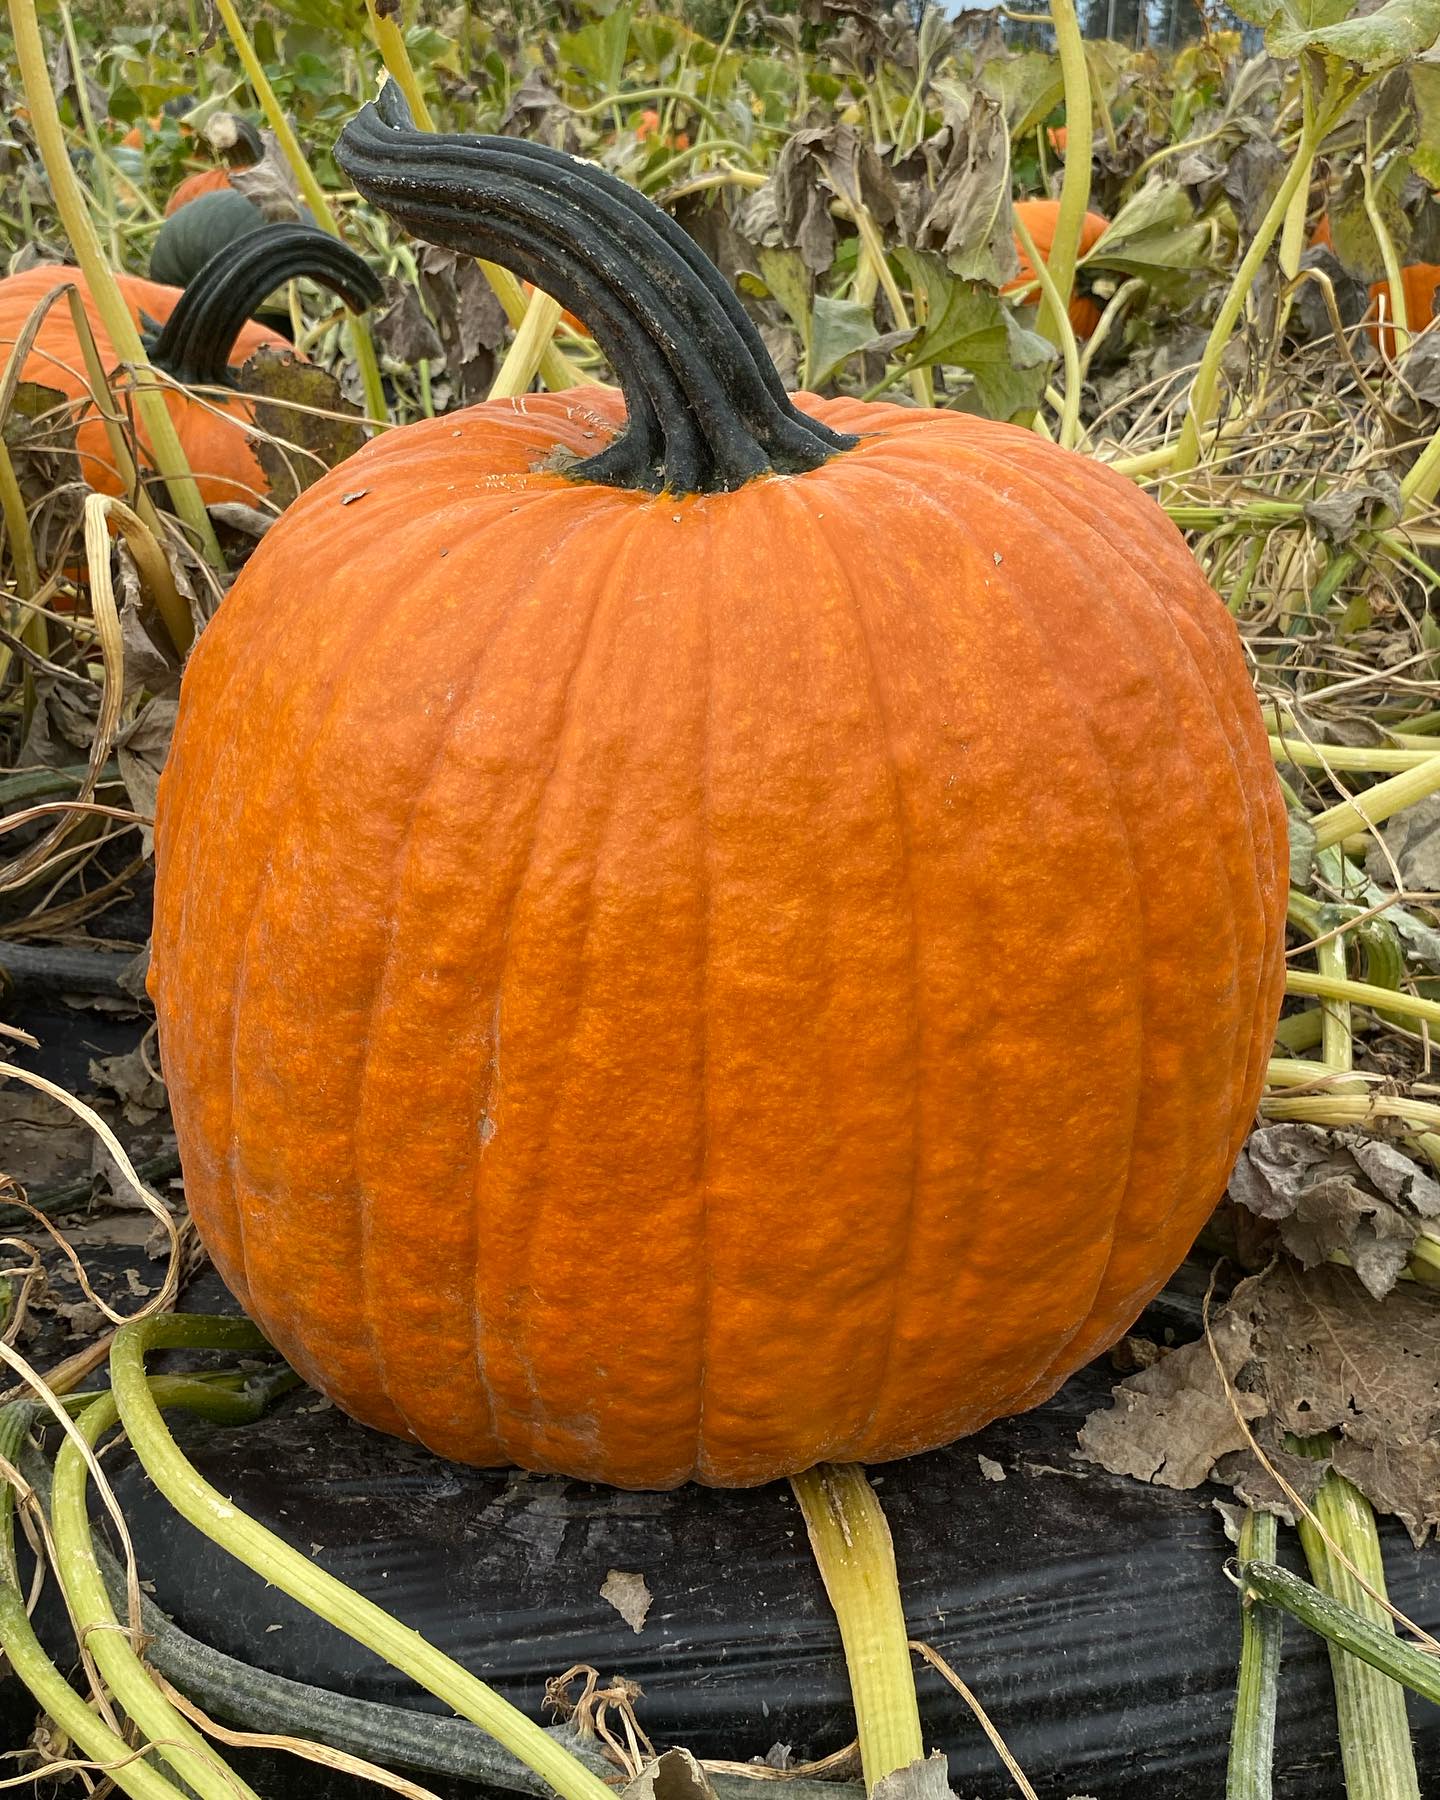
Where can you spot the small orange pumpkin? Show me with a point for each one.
(203, 331)
(615, 923)
(1059, 136)
(1420, 281)
(1040, 218)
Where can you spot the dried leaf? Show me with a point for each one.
(270, 183)
(127, 1076)
(141, 751)
(467, 315)
(402, 331)
(969, 220)
(1334, 1191)
(674, 1776)
(1412, 838)
(1308, 1351)
(629, 1595)
(293, 401)
(1171, 1423)
(926, 1779)
(1337, 514)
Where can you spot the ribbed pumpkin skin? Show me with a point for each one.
(657, 988)
(1040, 217)
(219, 453)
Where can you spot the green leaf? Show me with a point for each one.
(1154, 235)
(838, 329)
(787, 278)
(1425, 87)
(969, 327)
(601, 49)
(1351, 233)
(1378, 40)
(1027, 86)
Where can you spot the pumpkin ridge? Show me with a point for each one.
(604, 598)
(916, 1033)
(341, 667)
(1084, 729)
(1111, 542)
(705, 1305)
(365, 1208)
(1242, 757)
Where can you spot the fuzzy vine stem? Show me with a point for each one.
(169, 456)
(276, 1562)
(856, 1557)
(1342, 1625)
(1252, 1733)
(1075, 186)
(1375, 1742)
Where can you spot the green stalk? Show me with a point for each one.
(188, 1754)
(1252, 1735)
(1370, 1707)
(1399, 319)
(29, 1662)
(1376, 804)
(283, 1567)
(1375, 1644)
(101, 162)
(361, 341)
(1205, 389)
(1337, 1037)
(724, 50)
(1075, 187)
(169, 457)
(1070, 404)
(856, 1557)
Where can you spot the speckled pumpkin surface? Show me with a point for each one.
(657, 988)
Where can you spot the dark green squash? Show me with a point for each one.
(190, 237)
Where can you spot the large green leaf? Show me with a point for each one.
(1378, 40)
(1027, 86)
(1154, 235)
(1425, 88)
(969, 327)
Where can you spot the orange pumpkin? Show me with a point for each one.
(203, 181)
(1420, 281)
(1040, 218)
(619, 920)
(206, 331)
(1059, 136)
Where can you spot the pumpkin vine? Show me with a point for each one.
(707, 410)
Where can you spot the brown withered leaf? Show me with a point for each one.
(1171, 1423)
(538, 113)
(968, 220)
(1308, 1352)
(402, 331)
(293, 401)
(673, 1776)
(141, 750)
(817, 166)
(270, 183)
(467, 315)
(128, 1077)
(927, 1778)
(1331, 1191)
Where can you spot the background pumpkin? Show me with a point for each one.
(204, 331)
(1040, 218)
(590, 894)
(1421, 282)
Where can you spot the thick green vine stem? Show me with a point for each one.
(294, 1574)
(707, 410)
(195, 343)
(1252, 1734)
(852, 1546)
(28, 1660)
(1271, 1586)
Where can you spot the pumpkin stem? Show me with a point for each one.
(707, 410)
(856, 1557)
(195, 345)
(236, 140)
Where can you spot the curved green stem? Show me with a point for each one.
(188, 1754)
(30, 1663)
(1339, 1624)
(1075, 188)
(1070, 405)
(273, 1559)
(856, 1556)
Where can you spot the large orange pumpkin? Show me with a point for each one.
(1040, 217)
(204, 331)
(701, 933)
